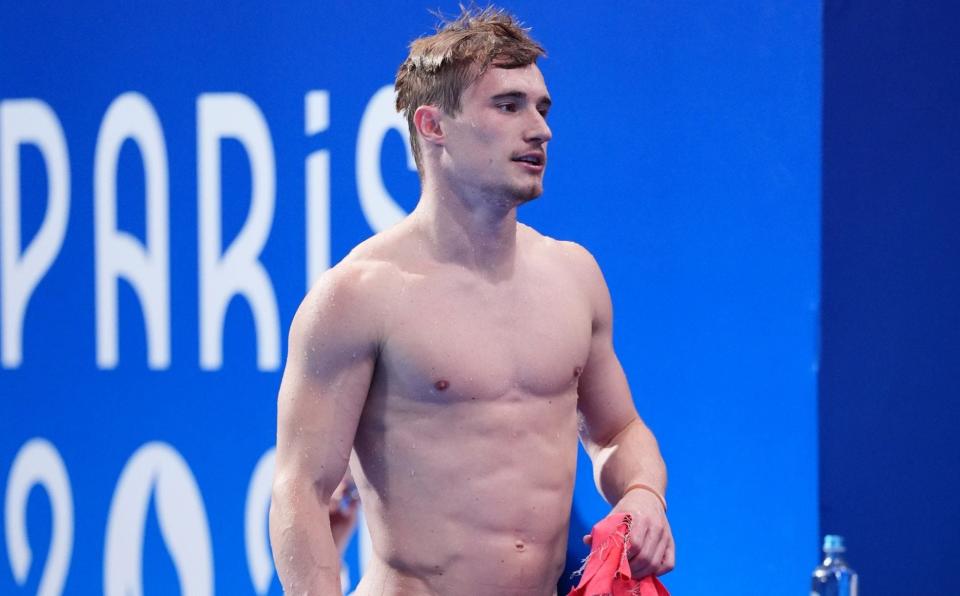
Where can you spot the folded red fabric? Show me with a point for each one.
(606, 571)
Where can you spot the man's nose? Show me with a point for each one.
(539, 131)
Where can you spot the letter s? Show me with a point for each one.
(379, 117)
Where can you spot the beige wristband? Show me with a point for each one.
(649, 489)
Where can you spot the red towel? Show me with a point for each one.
(606, 571)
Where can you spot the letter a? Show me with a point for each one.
(119, 254)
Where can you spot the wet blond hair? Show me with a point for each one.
(440, 66)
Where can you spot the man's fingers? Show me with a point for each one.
(638, 551)
(656, 559)
(648, 551)
(669, 558)
(588, 539)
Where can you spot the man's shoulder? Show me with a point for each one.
(361, 274)
(356, 289)
(565, 253)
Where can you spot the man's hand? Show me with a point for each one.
(651, 548)
(343, 511)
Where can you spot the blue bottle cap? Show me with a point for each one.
(832, 543)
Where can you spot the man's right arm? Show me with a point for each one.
(332, 351)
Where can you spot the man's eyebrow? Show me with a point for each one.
(509, 95)
(544, 101)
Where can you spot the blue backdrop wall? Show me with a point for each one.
(891, 290)
(173, 176)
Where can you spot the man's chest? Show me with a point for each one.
(462, 341)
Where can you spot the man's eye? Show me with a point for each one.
(507, 107)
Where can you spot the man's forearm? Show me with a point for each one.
(632, 457)
(307, 560)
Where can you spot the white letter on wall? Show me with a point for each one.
(380, 116)
(39, 463)
(317, 106)
(157, 469)
(119, 254)
(236, 270)
(22, 122)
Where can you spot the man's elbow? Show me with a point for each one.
(597, 443)
(293, 515)
(280, 515)
(290, 497)
(292, 488)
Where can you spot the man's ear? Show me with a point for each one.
(427, 121)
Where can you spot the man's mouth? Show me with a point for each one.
(534, 158)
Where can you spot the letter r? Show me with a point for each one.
(237, 269)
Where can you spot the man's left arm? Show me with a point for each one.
(628, 469)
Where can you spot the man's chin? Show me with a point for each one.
(528, 194)
(516, 195)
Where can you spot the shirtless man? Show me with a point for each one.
(453, 360)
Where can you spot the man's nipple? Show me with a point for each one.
(441, 385)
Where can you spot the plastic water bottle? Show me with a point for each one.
(833, 577)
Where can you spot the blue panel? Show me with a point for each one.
(685, 157)
(891, 330)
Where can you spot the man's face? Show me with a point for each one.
(497, 144)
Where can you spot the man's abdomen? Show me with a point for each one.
(465, 496)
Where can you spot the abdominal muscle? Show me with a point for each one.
(466, 496)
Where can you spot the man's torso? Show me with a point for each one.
(466, 449)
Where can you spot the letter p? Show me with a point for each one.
(28, 122)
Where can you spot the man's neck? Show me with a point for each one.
(477, 234)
